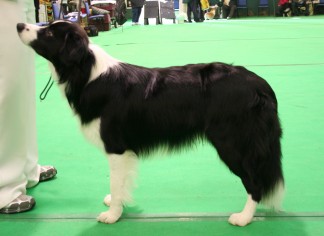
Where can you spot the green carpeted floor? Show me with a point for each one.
(190, 193)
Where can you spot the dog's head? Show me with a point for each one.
(60, 42)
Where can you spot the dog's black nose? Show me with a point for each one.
(20, 27)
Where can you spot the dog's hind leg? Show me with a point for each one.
(123, 170)
(251, 150)
(231, 148)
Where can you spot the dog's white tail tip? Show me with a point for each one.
(274, 199)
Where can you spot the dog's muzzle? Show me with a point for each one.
(27, 32)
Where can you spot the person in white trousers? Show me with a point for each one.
(19, 168)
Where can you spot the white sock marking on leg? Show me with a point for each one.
(123, 170)
(245, 217)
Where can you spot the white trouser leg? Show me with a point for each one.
(32, 169)
(18, 151)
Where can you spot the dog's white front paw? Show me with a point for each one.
(109, 217)
(107, 200)
(240, 219)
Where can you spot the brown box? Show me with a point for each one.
(103, 24)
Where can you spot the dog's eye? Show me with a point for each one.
(49, 33)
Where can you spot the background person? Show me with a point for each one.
(229, 8)
(137, 6)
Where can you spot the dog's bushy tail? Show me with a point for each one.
(271, 169)
(273, 199)
(267, 135)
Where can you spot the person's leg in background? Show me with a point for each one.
(189, 11)
(201, 12)
(139, 13)
(195, 10)
(232, 11)
(134, 15)
(136, 12)
(225, 10)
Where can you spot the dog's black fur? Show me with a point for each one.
(143, 108)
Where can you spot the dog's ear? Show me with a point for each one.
(74, 49)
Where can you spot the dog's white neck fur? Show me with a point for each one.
(103, 62)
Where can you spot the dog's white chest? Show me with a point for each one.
(92, 133)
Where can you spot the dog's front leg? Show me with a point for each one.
(123, 170)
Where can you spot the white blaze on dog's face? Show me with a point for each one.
(61, 42)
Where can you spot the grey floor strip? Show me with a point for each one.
(168, 217)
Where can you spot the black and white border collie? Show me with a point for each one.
(129, 111)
